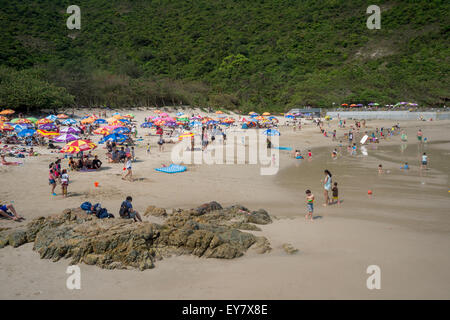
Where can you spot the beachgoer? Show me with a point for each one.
(8, 163)
(161, 144)
(380, 169)
(419, 135)
(335, 194)
(8, 211)
(128, 169)
(64, 182)
(96, 163)
(424, 161)
(52, 178)
(148, 148)
(327, 186)
(127, 211)
(309, 204)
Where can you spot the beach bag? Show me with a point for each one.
(103, 213)
(86, 206)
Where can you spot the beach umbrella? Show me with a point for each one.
(185, 135)
(21, 120)
(116, 137)
(69, 121)
(121, 130)
(124, 121)
(62, 116)
(7, 112)
(48, 127)
(129, 116)
(32, 119)
(100, 121)
(219, 112)
(271, 132)
(344, 105)
(26, 133)
(266, 114)
(116, 114)
(290, 116)
(5, 127)
(71, 130)
(51, 117)
(103, 131)
(20, 127)
(157, 111)
(77, 146)
(163, 114)
(3, 118)
(66, 138)
(46, 133)
(87, 120)
(44, 121)
(146, 125)
(180, 114)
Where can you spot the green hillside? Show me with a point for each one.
(236, 54)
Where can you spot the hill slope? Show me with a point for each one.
(246, 54)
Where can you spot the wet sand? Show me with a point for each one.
(403, 228)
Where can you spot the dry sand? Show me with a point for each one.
(403, 228)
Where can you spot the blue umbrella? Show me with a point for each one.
(52, 117)
(146, 125)
(116, 114)
(124, 120)
(180, 114)
(271, 132)
(69, 121)
(121, 130)
(26, 133)
(114, 137)
(100, 121)
(19, 127)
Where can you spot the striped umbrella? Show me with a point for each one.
(62, 116)
(46, 133)
(52, 117)
(77, 146)
(66, 138)
(44, 121)
(69, 130)
(3, 118)
(102, 131)
(26, 133)
(48, 127)
(185, 135)
(69, 121)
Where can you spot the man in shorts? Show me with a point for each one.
(8, 211)
(127, 211)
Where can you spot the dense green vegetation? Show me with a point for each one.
(236, 54)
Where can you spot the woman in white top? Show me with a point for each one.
(327, 182)
(129, 172)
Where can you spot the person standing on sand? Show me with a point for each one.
(419, 135)
(424, 161)
(128, 169)
(327, 187)
(52, 178)
(309, 205)
(64, 183)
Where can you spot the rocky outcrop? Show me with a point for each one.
(289, 249)
(208, 231)
(154, 211)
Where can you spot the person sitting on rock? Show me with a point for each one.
(127, 211)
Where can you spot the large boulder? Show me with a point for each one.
(122, 243)
(154, 211)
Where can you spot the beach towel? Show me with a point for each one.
(173, 168)
(283, 148)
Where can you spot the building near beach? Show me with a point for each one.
(307, 112)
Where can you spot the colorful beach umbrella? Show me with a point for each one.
(5, 127)
(69, 122)
(100, 121)
(185, 135)
(71, 130)
(7, 112)
(27, 133)
(51, 117)
(78, 145)
(121, 130)
(46, 133)
(48, 127)
(66, 138)
(102, 131)
(116, 137)
(44, 121)
(271, 132)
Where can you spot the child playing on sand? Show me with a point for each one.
(148, 148)
(424, 161)
(335, 194)
(309, 204)
(380, 169)
(64, 182)
(309, 154)
(129, 172)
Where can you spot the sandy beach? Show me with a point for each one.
(404, 227)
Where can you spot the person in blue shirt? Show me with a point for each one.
(127, 211)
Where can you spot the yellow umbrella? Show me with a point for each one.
(46, 133)
(7, 112)
(77, 146)
(44, 121)
(101, 131)
(266, 114)
(117, 117)
(185, 135)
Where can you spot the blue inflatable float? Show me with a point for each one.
(173, 168)
(283, 148)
